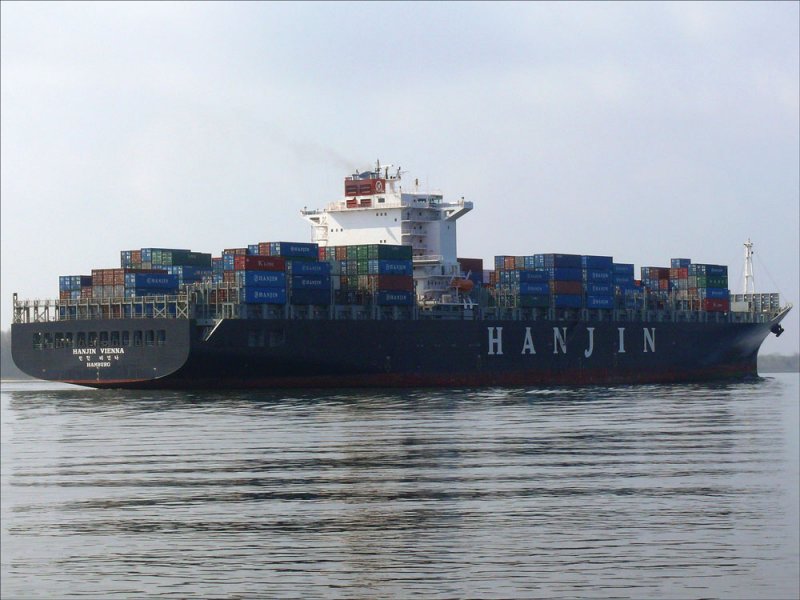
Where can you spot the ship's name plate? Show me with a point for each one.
(98, 358)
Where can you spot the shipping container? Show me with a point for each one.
(598, 276)
(294, 250)
(311, 282)
(262, 295)
(680, 263)
(151, 281)
(715, 305)
(262, 279)
(258, 263)
(567, 287)
(594, 301)
(394, 298)
(528, 289)
(390, 267)
(299, 267)
(600, 263)
(310, 296)
(566, 273)
(534, 301)
(567, 300)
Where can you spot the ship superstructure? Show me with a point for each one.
(376, 209)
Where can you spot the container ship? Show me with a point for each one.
(380, 298)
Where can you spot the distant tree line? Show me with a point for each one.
(779, 363)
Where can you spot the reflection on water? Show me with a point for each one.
(642, 491)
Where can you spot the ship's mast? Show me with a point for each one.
(749, 279)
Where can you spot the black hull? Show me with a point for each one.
(394, 353)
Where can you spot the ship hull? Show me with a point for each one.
(273, 354)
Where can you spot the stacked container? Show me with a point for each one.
(73, 287)
(365, 273)
(111, 283)
(708, 287)
(598, 281)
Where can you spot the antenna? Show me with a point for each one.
(749, 279)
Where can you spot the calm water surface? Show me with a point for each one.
(684, 491)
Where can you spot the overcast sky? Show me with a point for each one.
(642, 131)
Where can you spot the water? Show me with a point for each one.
(684, 491)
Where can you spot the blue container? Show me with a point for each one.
(158, 281)
(387, 298)
(252, 249)
(714, 293)
(311, 282)
(716, 270)
(623, 279)
(567, 301)
(680, 263)
(599, 289)
(533, 289)
(261, 279)
(302, 267)
(534, 276)
(597, 262)
(262, 295)
(623, 269)
(572, 261)
(294, 250)
(315, 297)
(566, 273)
(599, 301)
(594, 276)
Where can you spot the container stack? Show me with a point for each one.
(708, 287)
(112, 283)
(625, 286)
(160, 258)
(598, 281)
(367, 273)
(74, 287)
(565, 272)
(261, 279)
(309, 282)
(679, 281)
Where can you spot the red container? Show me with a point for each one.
(258, 263)
(263, 248)
(716, 305)
(229, 276)
(509, 262)
(679, 273)
(341, 252)
(566, 287)
(397, 283)
(86, 292)
(65, 295)
(471, 265)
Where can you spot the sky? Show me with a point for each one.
(644, 131)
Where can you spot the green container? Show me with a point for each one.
(720, 281)
(534, 301)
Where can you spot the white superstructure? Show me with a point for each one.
(377, 210)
